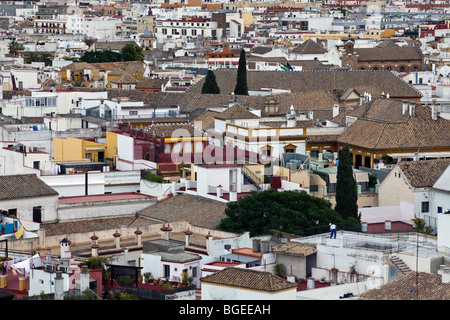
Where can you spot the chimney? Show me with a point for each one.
(335, 110)
(138, 236)
(59, 286)
(364, 226)
(256, 245)
(405, 107)
(387, 225)
(116, 236)
(444, 271)
(166, 232)
(434, 114)
(187, 237)
(94, 250)
(361, 99)
(94, 239)
(65, 249)
(84, 279)
(310, 283)
(208, 239)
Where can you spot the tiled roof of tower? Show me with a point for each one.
(249, 279)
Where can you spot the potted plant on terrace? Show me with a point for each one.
(148, 277)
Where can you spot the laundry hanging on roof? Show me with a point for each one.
(19, 233)
(286, 66)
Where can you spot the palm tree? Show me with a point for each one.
(14, 47)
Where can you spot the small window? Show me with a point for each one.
(166, 271)
(425, 206)
(439, 209)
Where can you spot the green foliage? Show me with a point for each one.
(280, 270)
(125, 280)
(287, 211)
(153, 177)
(421, 227)
(127, 296)
(131, 53)
(210, 86)
(241, 78)
(14, 47)
(95, 263)
(346, 188)
(184, 278)
(101, 56)
(86, 295)
(41, 57)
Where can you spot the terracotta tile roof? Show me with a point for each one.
(78, 66)
(151, 83)
(322, 138)
(199, 211)
(249, 279)
(293, 248)
(424, 173)
(92, 225)
(168, 129)
(386, 110)
(112, 45)
(236, 112)
(389, 53)
(419, 131)
(206, 119)
(430, 287)
(131, 67)
(301, 81)
(309, 47)
(125, 78)
(24, 186)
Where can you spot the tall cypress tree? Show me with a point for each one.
(346, 188)
(210, 85)
(241, 79)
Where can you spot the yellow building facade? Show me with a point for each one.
(73, 149)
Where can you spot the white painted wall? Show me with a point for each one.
(101, 209)
(41, 281)
(69, 185)
(25, 206)
(443, 236)
(216, 292)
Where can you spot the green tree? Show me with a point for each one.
(210, 85)
(241, 78)
(346, 188)
(131, 53)
(101, 56)
(293, 212)
(14, 47)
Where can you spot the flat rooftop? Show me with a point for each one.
(104, 197)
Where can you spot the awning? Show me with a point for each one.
(240, 258)
(361, 176)
(332, 178)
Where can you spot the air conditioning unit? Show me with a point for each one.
(62, 269)
(49, 268)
